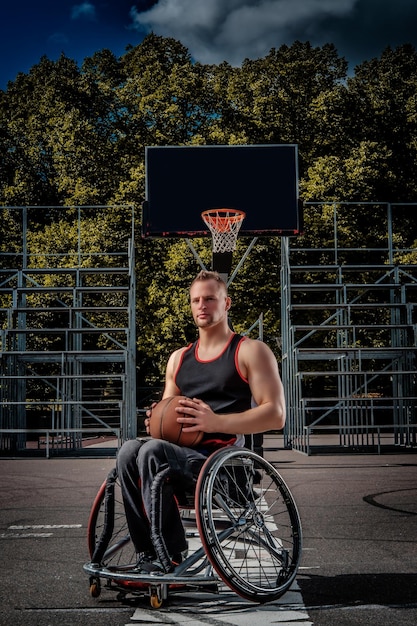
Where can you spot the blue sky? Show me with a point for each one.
(212, 30)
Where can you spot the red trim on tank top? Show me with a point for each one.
(217, 443)
(217, 356)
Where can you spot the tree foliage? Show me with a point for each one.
(73, 136)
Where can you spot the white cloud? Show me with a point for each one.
(86, 10)
(231, 30)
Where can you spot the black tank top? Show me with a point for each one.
(217, 382)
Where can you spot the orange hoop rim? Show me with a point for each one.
(222, 220)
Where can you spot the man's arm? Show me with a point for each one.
(171, 388)
(261, 369)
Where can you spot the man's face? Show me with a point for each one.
(209, 302)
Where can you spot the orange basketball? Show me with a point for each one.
(163, 424)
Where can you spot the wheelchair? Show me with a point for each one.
(242, 527)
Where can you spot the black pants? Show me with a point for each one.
(138, 463)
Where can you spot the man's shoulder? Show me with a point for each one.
(248, 342)
(177, 354)
(253, 346)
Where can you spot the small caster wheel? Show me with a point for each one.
(95, 588)
(156, 601)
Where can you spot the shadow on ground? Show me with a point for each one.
(392, 590)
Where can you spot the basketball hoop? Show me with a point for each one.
(224, 225)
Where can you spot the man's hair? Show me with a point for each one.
(209, 275)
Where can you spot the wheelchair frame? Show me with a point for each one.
(244, 530)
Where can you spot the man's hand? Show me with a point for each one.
(198, 416)
(148, 417)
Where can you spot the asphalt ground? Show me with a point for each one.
(359, 566)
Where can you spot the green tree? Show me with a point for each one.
(382, 97)
(165, 93)
(273, 96)
(61, 135)
(71, 136)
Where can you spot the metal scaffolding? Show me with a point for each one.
(67, 342)
(349, 332)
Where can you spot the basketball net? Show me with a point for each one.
(224, 225)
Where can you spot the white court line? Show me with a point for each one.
(24, 535)
(45, 526)
(32, 528)
(233, 611)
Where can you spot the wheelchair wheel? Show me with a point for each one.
(107, 532)
(249, 524)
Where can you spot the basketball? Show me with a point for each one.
(163, 424)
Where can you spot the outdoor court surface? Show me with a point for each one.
(359, 515)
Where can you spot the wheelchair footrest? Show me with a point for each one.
(94, 569)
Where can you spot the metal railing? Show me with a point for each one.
(55, 436)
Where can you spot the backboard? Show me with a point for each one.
(184, 181)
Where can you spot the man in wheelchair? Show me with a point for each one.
(232, 387)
